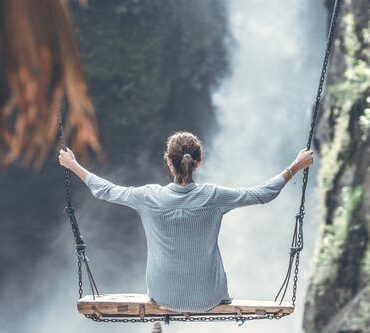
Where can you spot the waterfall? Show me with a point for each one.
(263, 111)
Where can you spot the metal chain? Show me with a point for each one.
(69, 210)
(67, 177)
(297, 242)
(67, 182)
(240, 319)
(329, 46)
(295, 279)
(79, 266)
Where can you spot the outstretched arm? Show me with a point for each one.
(102, 188)
(68, 160)
(230, 198)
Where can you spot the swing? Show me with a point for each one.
(132, 308)
(128, 305)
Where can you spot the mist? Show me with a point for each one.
(263, 111)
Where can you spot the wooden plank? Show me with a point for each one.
(139, 305)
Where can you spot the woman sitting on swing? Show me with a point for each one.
(182, 221)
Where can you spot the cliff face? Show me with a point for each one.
(338, 296)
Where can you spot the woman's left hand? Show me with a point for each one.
(67, 158)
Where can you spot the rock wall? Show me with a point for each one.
(338, 296)
(151, 67)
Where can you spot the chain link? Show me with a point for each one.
(67, 179)
(80, 289)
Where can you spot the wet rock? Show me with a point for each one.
(337, 297)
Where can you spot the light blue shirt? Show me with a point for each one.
(184, 266)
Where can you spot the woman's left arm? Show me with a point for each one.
(102, 188)
(68, 160)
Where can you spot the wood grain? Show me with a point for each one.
(139, 305)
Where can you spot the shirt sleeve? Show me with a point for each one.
(105, 190)
(229, 198)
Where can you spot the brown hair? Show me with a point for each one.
(184, 149)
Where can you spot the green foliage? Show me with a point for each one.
(344, 95)
(364, 121)
(333, 152)
(342, 238)
(124, 62)
(355, 86)
(366, 267)
(334, 235)
(361, 319)
(357, 74)
(350, 41)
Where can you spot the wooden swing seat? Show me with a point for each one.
(140, 306)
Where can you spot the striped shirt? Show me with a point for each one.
(184, 269)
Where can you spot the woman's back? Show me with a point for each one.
(184, 266)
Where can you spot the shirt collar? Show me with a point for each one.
(180, 188)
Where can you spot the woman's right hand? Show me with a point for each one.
(67, 158)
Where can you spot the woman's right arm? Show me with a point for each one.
(231, 198)
(303, 160)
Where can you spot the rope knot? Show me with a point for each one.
(80, 249)
(295, 249)
(69, 211)
(300, 215)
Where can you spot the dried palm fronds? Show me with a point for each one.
(41, 73)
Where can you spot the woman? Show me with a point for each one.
(182, 222)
